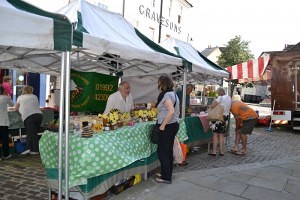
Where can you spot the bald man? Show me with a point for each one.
(121, 100)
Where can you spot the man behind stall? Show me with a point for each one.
(121, 100)
(189, 89)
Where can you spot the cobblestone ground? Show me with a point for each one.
(23, 177)
(262, 145)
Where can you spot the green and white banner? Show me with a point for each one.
(90, 90)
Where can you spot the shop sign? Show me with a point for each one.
(154, 16)
(90, 91)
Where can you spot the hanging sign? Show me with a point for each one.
(89, 91)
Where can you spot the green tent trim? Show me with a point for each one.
(63, 29)
(212, 64)
(156, 47)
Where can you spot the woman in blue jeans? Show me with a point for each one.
(167, 120)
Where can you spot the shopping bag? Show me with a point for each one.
(184, 149)
(20, 145)
(216, 113)
(177, 152)
(154, 135)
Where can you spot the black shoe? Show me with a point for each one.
(212, 154)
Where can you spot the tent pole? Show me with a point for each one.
(67, 124)
(160, 19)
(184, 93)
(202, 94)
(61, 123)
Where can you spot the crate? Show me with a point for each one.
(117, 189)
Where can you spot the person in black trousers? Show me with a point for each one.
(167, 121)
(32, 116)
(4, 122)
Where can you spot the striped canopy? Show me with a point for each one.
(252, 70)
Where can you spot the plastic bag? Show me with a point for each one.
(177, 152)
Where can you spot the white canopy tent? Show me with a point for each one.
(29, 35)
(203, 68)
(107, 44)
(103, 42)
(44, 47)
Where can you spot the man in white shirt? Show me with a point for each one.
(122, 99)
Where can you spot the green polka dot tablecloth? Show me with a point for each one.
(104, 152)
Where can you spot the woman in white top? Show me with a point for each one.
(32, 117)
(219, 127)
(4, 122)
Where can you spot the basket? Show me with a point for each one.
(117, 189)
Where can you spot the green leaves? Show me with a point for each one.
(235, 51)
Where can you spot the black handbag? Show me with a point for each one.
(154, 136)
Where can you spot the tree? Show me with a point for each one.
(236, 51)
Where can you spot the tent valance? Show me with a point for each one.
(107, 43)
(202, 68)
(23, 25)
(252, 70)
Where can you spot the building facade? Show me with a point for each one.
(144, 15)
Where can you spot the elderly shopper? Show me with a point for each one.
(32, 117)
(246, 118)
(219, 127)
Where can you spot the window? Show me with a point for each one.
(151, 33)
(179, 19)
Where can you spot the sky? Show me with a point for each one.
(267, 24)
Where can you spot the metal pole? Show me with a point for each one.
(184, 93)
(123, 11)
(160, 16)
(61, 123)
(296, 86)
(202, 94)
(67, 127)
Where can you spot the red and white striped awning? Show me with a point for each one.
(252, 70)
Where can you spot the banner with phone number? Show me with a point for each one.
(89, 91)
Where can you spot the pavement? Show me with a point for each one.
(271, 180)
(270, 170)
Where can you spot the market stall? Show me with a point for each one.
(104, 159)
(93, 51)
(204, 70)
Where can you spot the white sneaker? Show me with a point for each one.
(25, 152)
(33, 153)
(7, 157)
